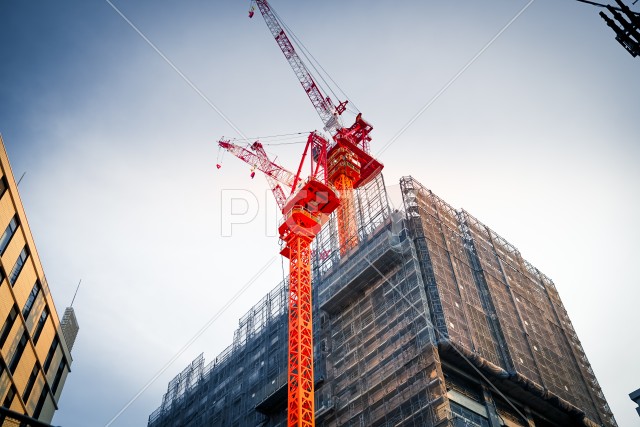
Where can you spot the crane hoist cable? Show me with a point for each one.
(314, 63)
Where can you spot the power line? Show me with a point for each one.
(626, 25)
(593, 3)
(284, 143)
(193, 339)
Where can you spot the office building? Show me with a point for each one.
(34, 355)
(432, 319)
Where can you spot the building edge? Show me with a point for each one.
(44, 385)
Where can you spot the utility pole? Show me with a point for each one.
(628, 32)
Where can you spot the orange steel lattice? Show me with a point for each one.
(350, 167)
(342, 173)
(300, 365)
(306, 213)
(345, 167)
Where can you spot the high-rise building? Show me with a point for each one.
(432, 319)
(635, 396)
(70, 326)
(34, 356)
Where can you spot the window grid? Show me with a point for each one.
(8, 234)
(52, 351)
(17, 267)
(30, 383)
(40, 326)
(58, 377)
(18, 354)
(31, 299)
(8, 400)
(41, 400)
(3, 185)
(8, 324)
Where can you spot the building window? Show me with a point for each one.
(3, 185)
(52, 351)
(8, 234)
(2, 369)
(466, 416)
(26, 310)
(17, 267)
(8, 399)
(8, 324)
(18, 354)
(40, 326)
(40, 404)
(58, 377)
(30, 383)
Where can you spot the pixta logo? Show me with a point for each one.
(240, 207)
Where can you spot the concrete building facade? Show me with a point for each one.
(432, 319)
(34, 357)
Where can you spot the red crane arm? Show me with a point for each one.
(275, 174)
(323, 105)
(260, 161)
(318, 147)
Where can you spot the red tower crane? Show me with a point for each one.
(344, 166)
(305, 209)
(349, 162)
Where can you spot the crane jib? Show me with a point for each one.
(328, 113)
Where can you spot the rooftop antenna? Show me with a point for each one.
(76, 293)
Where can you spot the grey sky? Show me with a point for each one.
(538, 139)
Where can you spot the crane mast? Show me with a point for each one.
(305, 210)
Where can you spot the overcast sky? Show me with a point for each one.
(538, 138)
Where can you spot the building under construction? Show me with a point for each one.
(429, 319)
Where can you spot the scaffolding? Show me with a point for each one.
(242, 378)
(486, 299)
(376, 339)
(430, 318)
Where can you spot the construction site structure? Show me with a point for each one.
(349, 163)
(305, 210)
(346, 165)
(432, 319)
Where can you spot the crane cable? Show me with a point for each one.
(305, 52)
(281, 139)
(313, 62)
(277, 141)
